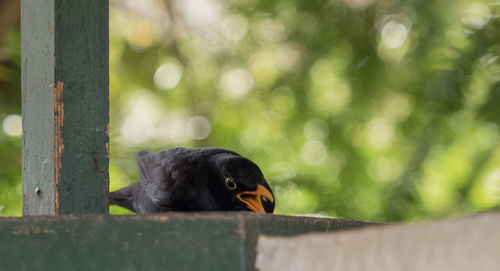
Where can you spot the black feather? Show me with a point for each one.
(183, 179)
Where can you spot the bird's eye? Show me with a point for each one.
(230, 184)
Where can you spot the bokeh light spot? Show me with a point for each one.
(236, 83)
(492, 187)
(13, 125)
(141, 34)
(269, 30)
(139, 125)
(379, 132)
(235, 27)
(178, 131)
(168, 75)
(313, 153)
(288, 57)
(394, 34)
(331, 94)
(264, 68)
(358, 4)
(282, 171)
(297, 200)
(476, 16)
(383, 169)
(322, 71)
(316, 129)
(199, 127)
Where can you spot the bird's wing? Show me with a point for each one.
(159, 173)
(171, 178)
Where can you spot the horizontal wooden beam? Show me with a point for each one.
(464, 244)
(176, 241)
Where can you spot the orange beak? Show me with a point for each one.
(252, 199)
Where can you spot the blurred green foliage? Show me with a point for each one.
(378, 110)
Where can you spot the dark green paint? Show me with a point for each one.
(176, 241)
(65, 52)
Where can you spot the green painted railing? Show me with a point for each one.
(175, 241)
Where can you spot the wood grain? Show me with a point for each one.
(65, 91)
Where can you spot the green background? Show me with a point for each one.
(360, 109)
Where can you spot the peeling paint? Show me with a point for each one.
(28, 229)
(65, 107)
(58, 140)
(21, 230)
(107, 139)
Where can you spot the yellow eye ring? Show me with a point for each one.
(230, 184)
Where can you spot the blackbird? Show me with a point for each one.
(205, 179)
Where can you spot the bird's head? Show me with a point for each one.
(243, 186)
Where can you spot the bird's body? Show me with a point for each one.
(206, 179)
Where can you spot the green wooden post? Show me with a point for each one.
(65, 106)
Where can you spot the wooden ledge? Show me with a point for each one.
(466, 243)
(174, 241)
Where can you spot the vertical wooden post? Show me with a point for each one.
(65, 106)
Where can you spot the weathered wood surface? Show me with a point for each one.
(65, 106)
(176, 241)
(470, 243)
